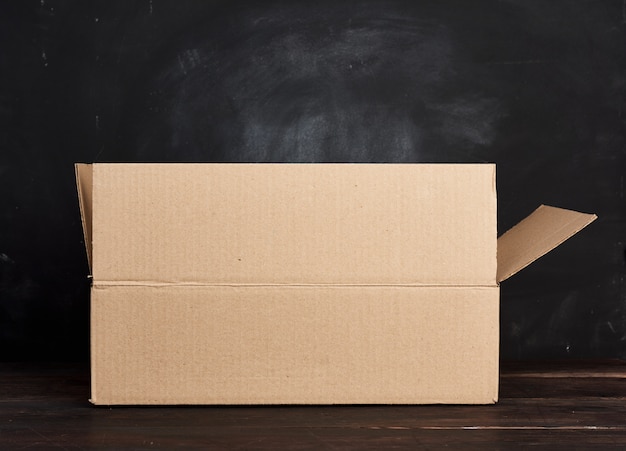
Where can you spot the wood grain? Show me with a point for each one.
(543, 405)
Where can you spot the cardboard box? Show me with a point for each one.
(300, 283)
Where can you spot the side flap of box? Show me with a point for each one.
(543, 230)
(84, 185)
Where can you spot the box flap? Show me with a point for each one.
(84, 185)
(369, 224)
(536, 235)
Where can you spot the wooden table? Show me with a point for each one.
(543, 406)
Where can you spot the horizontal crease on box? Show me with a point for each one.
(106, 284)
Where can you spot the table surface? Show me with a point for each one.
(568, 405)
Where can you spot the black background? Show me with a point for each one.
(537, 87)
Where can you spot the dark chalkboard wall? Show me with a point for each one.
(537, 87)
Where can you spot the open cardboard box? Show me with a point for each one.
(300, 283)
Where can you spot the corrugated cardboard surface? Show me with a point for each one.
(302, 345)
(540, 232)
(293, 284)
(84, 184)
(295, 224)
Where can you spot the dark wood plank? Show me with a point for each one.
(545, 406)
